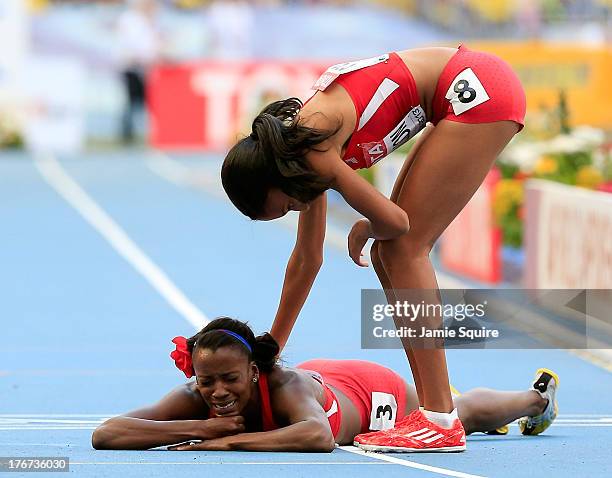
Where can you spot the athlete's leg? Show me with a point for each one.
(375, 257)
(412, 399)
(447, 170)
(482, 409)
(391, 298)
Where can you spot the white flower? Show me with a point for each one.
(589, 135)
(524, 155)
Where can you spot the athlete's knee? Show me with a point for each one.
(473, 414)
(404, 248)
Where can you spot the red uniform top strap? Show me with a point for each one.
(267, 417)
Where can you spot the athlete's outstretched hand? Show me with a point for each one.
(216, 444)
(357, 238)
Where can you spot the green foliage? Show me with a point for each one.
(367, 174)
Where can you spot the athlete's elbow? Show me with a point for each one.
(109, 436)
(327, 444)
(321, 440)
(316, 263)
(100, 439)
(398, 224)
(308, 263)
(403, 225)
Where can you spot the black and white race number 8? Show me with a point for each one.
(466, 92)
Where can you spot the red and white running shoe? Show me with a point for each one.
(413, 434)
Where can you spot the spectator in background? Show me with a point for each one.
(529, 18)
(139, 48)
(231, 29)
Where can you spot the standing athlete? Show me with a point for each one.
(362, 111)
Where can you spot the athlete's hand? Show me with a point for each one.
(220, 427)
(357, 238)
(218, 444)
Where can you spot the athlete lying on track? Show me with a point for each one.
(242, 399)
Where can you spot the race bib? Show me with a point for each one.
(407, 128)
(466, 92)
(335, 71)
(412, 123)
(384, 411)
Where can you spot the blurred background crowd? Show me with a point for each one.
(188, 74)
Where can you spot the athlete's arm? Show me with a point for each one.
(307, 428)
(302, 268)
(177, 417)
(387, 219)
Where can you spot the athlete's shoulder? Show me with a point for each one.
(189, 393)
(327, 109)
(286, 379)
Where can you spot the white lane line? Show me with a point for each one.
(57, 415)
(228, 463)
(43, 421)
(4, 427)
(409, 464)
(600, 357)
(581, 425)
(200, 178)
(584, 420)
(182, 175)
(22, 444)
(91, 373)
(584, 415)
(57, 178)
(45, 428)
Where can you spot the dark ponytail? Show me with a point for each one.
(264, 349)
(273, 156)
(265, 352)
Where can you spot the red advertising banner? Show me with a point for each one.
(206, 106)
(471, 245)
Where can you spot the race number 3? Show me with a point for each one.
(466, 92)
(384, 411)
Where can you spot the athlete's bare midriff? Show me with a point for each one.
(326, 109)
(426, 65)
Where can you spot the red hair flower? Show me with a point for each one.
(182, 356)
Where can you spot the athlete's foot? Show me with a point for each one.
(539, 404)
(414, 433)
(545, 410)
(503, 430)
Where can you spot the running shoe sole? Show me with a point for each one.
(395, 449)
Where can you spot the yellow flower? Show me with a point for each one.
(507, 194)
(589, 177)
(37, 5)
(546, 165)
